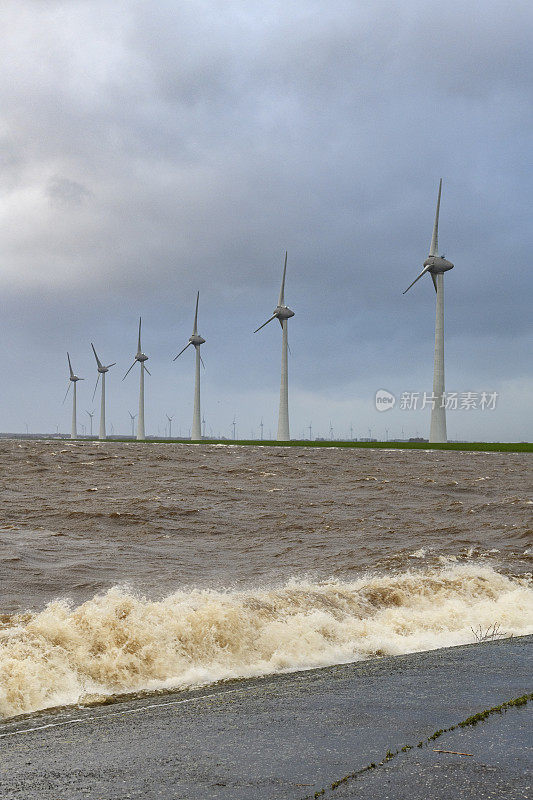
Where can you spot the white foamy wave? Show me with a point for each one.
(118, 643)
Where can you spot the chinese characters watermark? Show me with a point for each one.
(452, 401)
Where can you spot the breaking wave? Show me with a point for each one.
(120, 643)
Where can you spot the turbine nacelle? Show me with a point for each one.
(283, 312)
(436, 264)
(196, 340)
(141, 357)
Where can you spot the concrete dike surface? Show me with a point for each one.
(299, 735)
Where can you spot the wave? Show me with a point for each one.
(120, 643)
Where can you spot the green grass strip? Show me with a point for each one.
(481, 716)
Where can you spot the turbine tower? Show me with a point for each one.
(101, 371)
(197, 341)
(141, 358)
(283, 313)
(436, 266)
(73, 379)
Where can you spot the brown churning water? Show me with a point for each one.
(131, 567)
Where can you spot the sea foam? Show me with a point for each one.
(120, 643)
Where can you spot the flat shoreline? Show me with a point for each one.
(292, 735)
(478, 447)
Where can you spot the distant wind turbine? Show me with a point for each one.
(436, 266)
(132, 417)
(310, 431)
(261, 426)
(282, 313)
(197, 341)
(90, 414)
(169, 425)
(234, 423)
(141, 358)
(101, 371)
(73, 379)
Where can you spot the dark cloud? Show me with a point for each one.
(148, 150)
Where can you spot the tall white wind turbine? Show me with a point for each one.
(141, 358)
(197, 341)
(436, 266)
(282, 313)
(73, 379)
(101, 372)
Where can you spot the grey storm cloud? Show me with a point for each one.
(150, 150)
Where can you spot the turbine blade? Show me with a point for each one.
(130, 369)
(68, 390)
(97, 359)
(139, 342)
(111, 365)
(434, 279)
(265, 323)
(195, 326)
(417, 279)
(202, 361)
(434, 249)
(96, 384)
(281, 301)
(70, 366)
(147, 370)
(182, 351)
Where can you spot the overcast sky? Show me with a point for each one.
(148, 150)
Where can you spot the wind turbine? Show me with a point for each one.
(436, 266)
(169, 425)
(141, 358)
(261, 426)
(203, 427)
(73, 379)
(132, 417)
(234, 423)
(282, 313)
(90, 414)
(101, 371)
(197, 341)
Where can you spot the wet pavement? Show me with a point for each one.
(291, 736)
